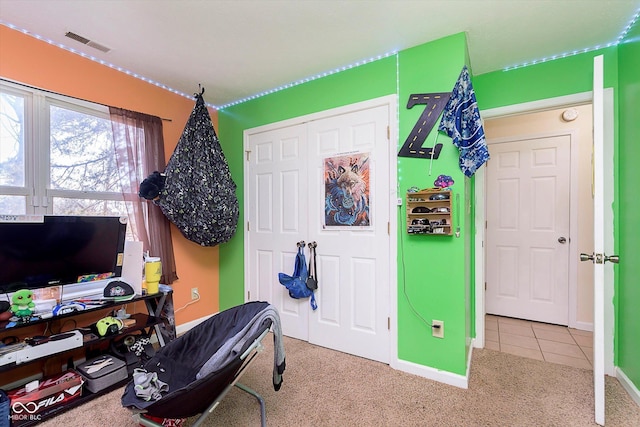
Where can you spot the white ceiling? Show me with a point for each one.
(239, 48)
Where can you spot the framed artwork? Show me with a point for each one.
(347, 191)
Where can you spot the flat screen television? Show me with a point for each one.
(58, 250)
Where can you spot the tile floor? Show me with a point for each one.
(542, 341)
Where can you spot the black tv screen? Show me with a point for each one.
(59, 250)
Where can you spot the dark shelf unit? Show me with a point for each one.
(143, 322)
(106, 305)
(158, 319)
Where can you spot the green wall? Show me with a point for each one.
(628, 320)
(560, 77)
(435, 274)
(431, 269)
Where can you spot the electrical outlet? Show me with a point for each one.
(437, 328)
(194, 293)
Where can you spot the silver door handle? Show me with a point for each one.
(600, 258)
(586, 257)
(562, 240)
(613, 258)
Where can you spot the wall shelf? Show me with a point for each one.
(429, 212)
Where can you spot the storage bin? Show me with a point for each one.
(102, 372)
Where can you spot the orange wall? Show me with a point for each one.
(36, 63)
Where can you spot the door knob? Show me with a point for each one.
(600, 258)
(586, 257)
(562, 240)
(613, 258)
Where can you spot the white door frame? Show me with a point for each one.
(480, 194)
(391, 101)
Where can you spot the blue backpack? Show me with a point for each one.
(297, 284)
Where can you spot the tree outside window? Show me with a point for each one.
(61, 162)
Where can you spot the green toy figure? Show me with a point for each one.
(22, 303)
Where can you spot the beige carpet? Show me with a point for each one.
(328, 388)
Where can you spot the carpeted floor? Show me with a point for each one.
(327, 388)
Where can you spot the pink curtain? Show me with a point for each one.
(139, 146)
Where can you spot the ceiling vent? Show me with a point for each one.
(86, 41)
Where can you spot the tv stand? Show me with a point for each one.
(157, 319)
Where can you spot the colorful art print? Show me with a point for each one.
(347, 191)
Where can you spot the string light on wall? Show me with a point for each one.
(186, 95)
(308, 79)
(624, 32)
(100, 61)
(619, 40)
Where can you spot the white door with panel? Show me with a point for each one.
(528, 229)
(276, 215)
(287, 199)
(598, 256)
(598, 239)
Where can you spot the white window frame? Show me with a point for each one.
(37, 185)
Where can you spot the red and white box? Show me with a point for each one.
(28, 406)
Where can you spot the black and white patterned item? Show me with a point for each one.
(199, 195)
(138, 346)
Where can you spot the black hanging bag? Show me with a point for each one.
(312, 280)
(198, 194)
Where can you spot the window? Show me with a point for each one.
(12, 152)
(56, 155)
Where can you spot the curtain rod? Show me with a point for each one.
(69, 96)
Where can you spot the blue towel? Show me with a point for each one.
(461, 121)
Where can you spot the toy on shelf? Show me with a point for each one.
(22, 305)
(443, 181)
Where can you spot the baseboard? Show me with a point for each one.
(628, 385)
(584, 326)
(469, 356)
(181, 329)
(461, 381)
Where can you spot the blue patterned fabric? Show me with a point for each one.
(461, 121)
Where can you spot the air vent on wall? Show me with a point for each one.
(86, 41)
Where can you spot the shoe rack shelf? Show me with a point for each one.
(429, 212)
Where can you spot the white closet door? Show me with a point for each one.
(277, 183)
(353, 264)
(285, 204)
